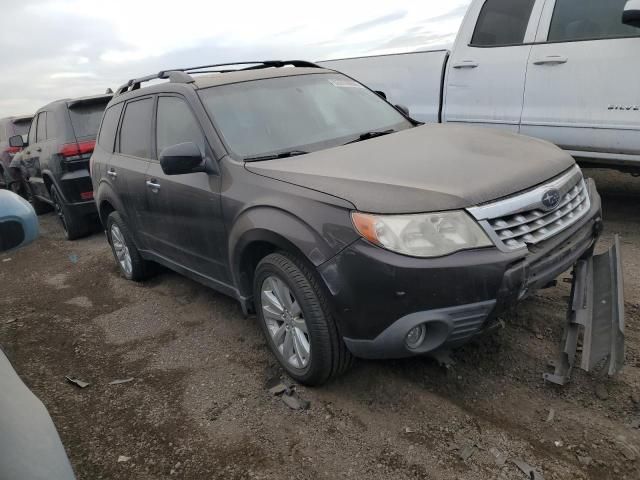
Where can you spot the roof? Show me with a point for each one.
(217, 79)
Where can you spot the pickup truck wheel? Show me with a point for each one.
(127, 256)
(74, 226)
(295, 319)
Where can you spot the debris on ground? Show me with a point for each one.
(499, 457)
(11, 320)
(4, 260)
(77, 382)
(551, 416)
(467, 452)
(586, 461)
(73, 258)
(121, 381)
(294, 402)
(527, 469)
(279, 389)
(601, 391)
(635, 423)
(123, 458)
(408, 430)
(558, 443)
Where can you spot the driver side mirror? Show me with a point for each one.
(181, 159)
(631, 13)
(18, 221)
(17, 141)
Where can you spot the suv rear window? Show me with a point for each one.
(85, 118)
(21, 127)
(502, 22)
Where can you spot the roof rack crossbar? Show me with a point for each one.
(182, 75)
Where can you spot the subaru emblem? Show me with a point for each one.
(551, 199)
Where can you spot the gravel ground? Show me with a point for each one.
(198, 406)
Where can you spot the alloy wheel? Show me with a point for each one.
(58, 208)
(121, 250)
(285, 322)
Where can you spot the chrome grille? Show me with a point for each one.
(515, 222)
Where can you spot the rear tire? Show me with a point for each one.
(73, 225)
(127, 255)
(38, 205)
(303, 306)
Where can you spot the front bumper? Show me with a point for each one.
(378, 296)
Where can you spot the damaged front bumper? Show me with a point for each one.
(596, 310)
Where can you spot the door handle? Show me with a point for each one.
(112, 173)
(38, 149)
(466, 64)
(153, 186)
(551, 60)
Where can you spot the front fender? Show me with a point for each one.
(287, 232)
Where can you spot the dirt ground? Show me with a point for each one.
(198, 407)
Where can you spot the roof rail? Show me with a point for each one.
(183, 75)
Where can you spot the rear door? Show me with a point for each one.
(486, 72)
(128, 165)
(33, 154)
(583, 84)
(185, 220)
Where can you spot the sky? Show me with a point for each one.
(52, 49)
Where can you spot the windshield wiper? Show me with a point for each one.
(274, 156)
(370, 135)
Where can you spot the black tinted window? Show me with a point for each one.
(42, 127)
(589, 19)
(502, 22)
(135, 133)
(85, 118)
(176, 124)
(107, 136)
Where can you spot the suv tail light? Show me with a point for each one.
(12, 150)
(77, 151)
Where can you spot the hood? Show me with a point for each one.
(424, 169)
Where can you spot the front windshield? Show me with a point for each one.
(302, 112)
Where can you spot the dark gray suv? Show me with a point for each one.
(9, 127)
(55, 160)
(347, 227)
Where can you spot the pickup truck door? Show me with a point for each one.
(486, 73)
(583, 88)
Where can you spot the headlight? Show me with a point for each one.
(422, 235)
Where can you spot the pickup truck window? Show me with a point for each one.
(502, 22)
(589, 20)
(300, 112)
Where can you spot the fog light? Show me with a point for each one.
(415, 337)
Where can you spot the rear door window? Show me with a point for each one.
(21, 127)
(176, 124)
(85, 118)
(589, 20)
(109, 127)
(42, 127)
(502, 22)
(135, 132)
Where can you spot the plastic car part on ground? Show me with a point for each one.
(597, 306)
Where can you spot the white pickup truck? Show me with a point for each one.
(567, 71)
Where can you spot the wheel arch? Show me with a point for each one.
(261, 231)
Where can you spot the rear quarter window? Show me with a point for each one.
(85, 119)
(107, 136)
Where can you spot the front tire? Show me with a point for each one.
(127, 256)
(295, 318)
